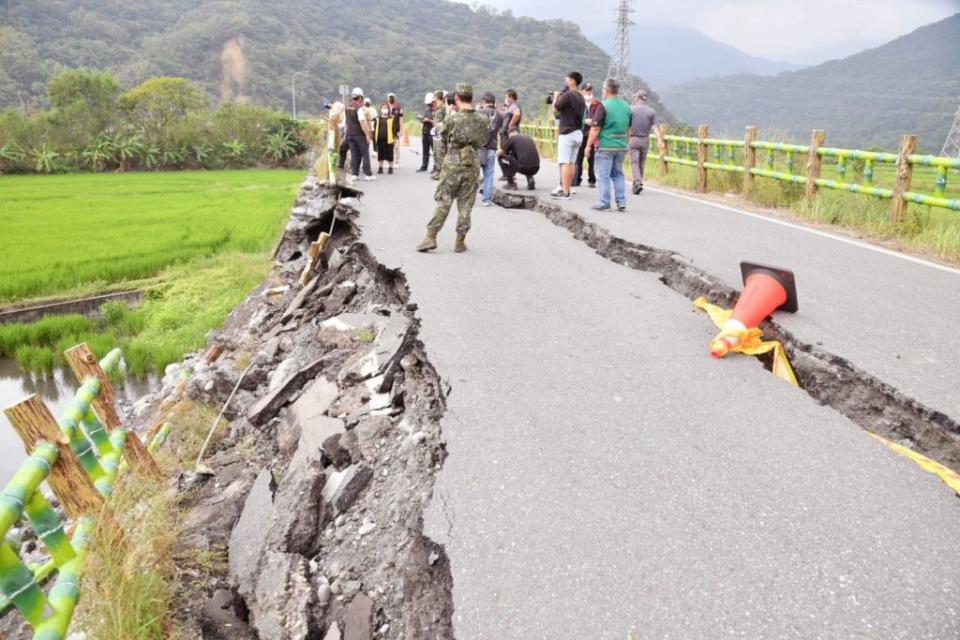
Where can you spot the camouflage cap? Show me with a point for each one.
(463, 87)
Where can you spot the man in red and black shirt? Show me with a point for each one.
(592, 105)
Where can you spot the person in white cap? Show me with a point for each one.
(358, 136)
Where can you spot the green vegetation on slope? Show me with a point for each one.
(244, 50)
(190, 300)
(909, 85)
(61, 232)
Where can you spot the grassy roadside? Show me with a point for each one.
(132, 590)
(926, 230)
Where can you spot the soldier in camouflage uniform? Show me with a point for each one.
(464, 132)
(439, 148)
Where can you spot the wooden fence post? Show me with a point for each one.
(84, 365)
(661, 133)
(701, 158)
(908, 144)
(33, 422)
(813, 162)
(749, 159)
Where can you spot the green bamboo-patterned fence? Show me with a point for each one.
(794, 163)
(79, 457)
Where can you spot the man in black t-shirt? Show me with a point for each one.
(569, 107)
(519, 155)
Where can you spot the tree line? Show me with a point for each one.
(164, 123)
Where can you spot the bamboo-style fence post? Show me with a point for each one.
(33, 422)
(749, 159)
(661, 133)
(908, 144)
(814, 162)
(702, 133)
(84, 365)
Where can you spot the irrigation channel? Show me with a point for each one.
(56, 391)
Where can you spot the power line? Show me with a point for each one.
(951, 146)
(619, 68)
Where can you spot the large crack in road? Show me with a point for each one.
(832, 380)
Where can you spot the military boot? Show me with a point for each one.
(461, 245)
(429, 243)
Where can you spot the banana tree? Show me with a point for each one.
(44, 159)
(233, 152)
(127, 150)
(279, 146)
(100, 154)
(10, 156)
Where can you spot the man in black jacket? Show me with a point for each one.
(426, 137)
(519, 155)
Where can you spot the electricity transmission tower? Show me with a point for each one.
(619, 68)
(951, 147)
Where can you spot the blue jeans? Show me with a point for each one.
(488, 162)
(610, 169)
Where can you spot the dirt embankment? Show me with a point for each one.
(310, 511)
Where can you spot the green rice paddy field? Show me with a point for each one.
(198, 242)
(64, 232)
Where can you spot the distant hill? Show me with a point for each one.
(246, 50)
(909, 85)
(667, 55)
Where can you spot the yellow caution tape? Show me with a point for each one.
(750, 341)
(950, 477)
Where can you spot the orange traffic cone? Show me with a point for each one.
(765, 289)
(405, 140)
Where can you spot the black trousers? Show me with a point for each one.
(578, 178)
(359, 150)
(427, 141)
(510, 169)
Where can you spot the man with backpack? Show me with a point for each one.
(487, 154)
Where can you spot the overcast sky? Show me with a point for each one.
(805, 32)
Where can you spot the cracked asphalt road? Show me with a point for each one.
(605, 475)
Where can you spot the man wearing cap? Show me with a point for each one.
(426, 137)
(642, 119)
(587, 154)
(464, 133)
(358, 136)
(488, 153)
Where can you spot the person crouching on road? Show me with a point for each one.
(569, 106)
(609, 130)
(488, 153)
(386, 132)
(643, 117)
(519, 155)
(464, 133)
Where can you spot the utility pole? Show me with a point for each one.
(293, 90)
(619, 68)
(951, 146)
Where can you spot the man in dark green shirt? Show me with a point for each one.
(611, 125)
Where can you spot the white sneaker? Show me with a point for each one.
(556, 192)
(573, 190)
(486, 203)
(369, 178)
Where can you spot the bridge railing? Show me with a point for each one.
(797, 164)
(79, 457)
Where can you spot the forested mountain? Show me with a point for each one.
(909, 85)
(667, 55)
(246, 50)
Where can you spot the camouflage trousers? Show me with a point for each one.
(439, 152)
(458, 184)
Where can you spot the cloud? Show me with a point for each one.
(807, 32)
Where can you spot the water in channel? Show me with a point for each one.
(55, 391)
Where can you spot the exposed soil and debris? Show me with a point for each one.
(828, 378)
(309, 510)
